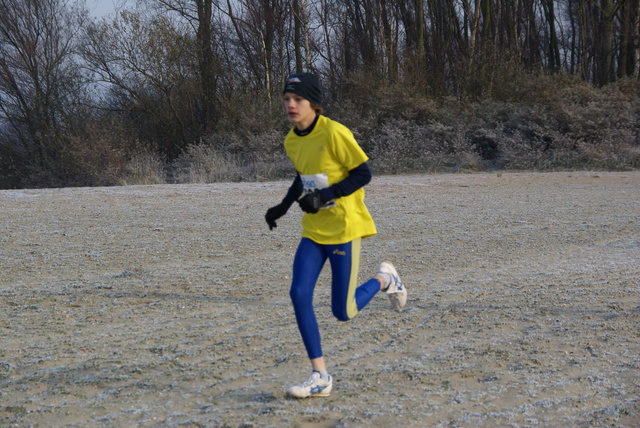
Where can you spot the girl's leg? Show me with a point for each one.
(346, 297)
(308, 262)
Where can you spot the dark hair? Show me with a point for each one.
(318, 108)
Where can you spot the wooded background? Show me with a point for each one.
(189, 90)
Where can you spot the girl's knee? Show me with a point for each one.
(299, 295)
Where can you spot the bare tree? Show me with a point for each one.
(332, 24)
(388, 44)
(300, 9)
(299, 16)
(362, 30)
(153, 73)
(257, 25)
(40, 80)
(605, 14)
(206, 61)
(553, 53)
(199, 15)
(629, 55)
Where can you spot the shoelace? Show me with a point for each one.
(314, 377)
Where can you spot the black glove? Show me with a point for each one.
(311, 202)
(275, 213)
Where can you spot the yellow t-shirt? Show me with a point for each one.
(325, 157)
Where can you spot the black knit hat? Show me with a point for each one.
(306, 85)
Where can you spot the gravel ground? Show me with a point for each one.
(168, 306)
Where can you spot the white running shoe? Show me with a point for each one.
(314, 387)
(395, 289)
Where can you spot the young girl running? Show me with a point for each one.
(331, 173)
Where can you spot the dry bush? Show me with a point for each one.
(250, 113)
(402, 146)
(11, 168)
(527, 122)
(98, 158)
(105, 156)
(95, 154)
(91, 158)
(531, 122)
(541, 123)
(231, 157)
(205, 164)
(143, 166)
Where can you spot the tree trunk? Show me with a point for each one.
(488, 25)
(553, 49)
(629, 34)
(420, 41)
(474, 24)
(297, 34)
(604, 50)
(206, 62)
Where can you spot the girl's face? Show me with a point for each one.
(299, 110)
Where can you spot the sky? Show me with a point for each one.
(102, 8)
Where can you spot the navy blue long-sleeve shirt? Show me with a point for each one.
(358, 177)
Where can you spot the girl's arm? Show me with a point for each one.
(293, 193)
(358, 177)
(274, 213)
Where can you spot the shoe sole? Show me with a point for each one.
(325, 392)
(321, 394)
(398, 299)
